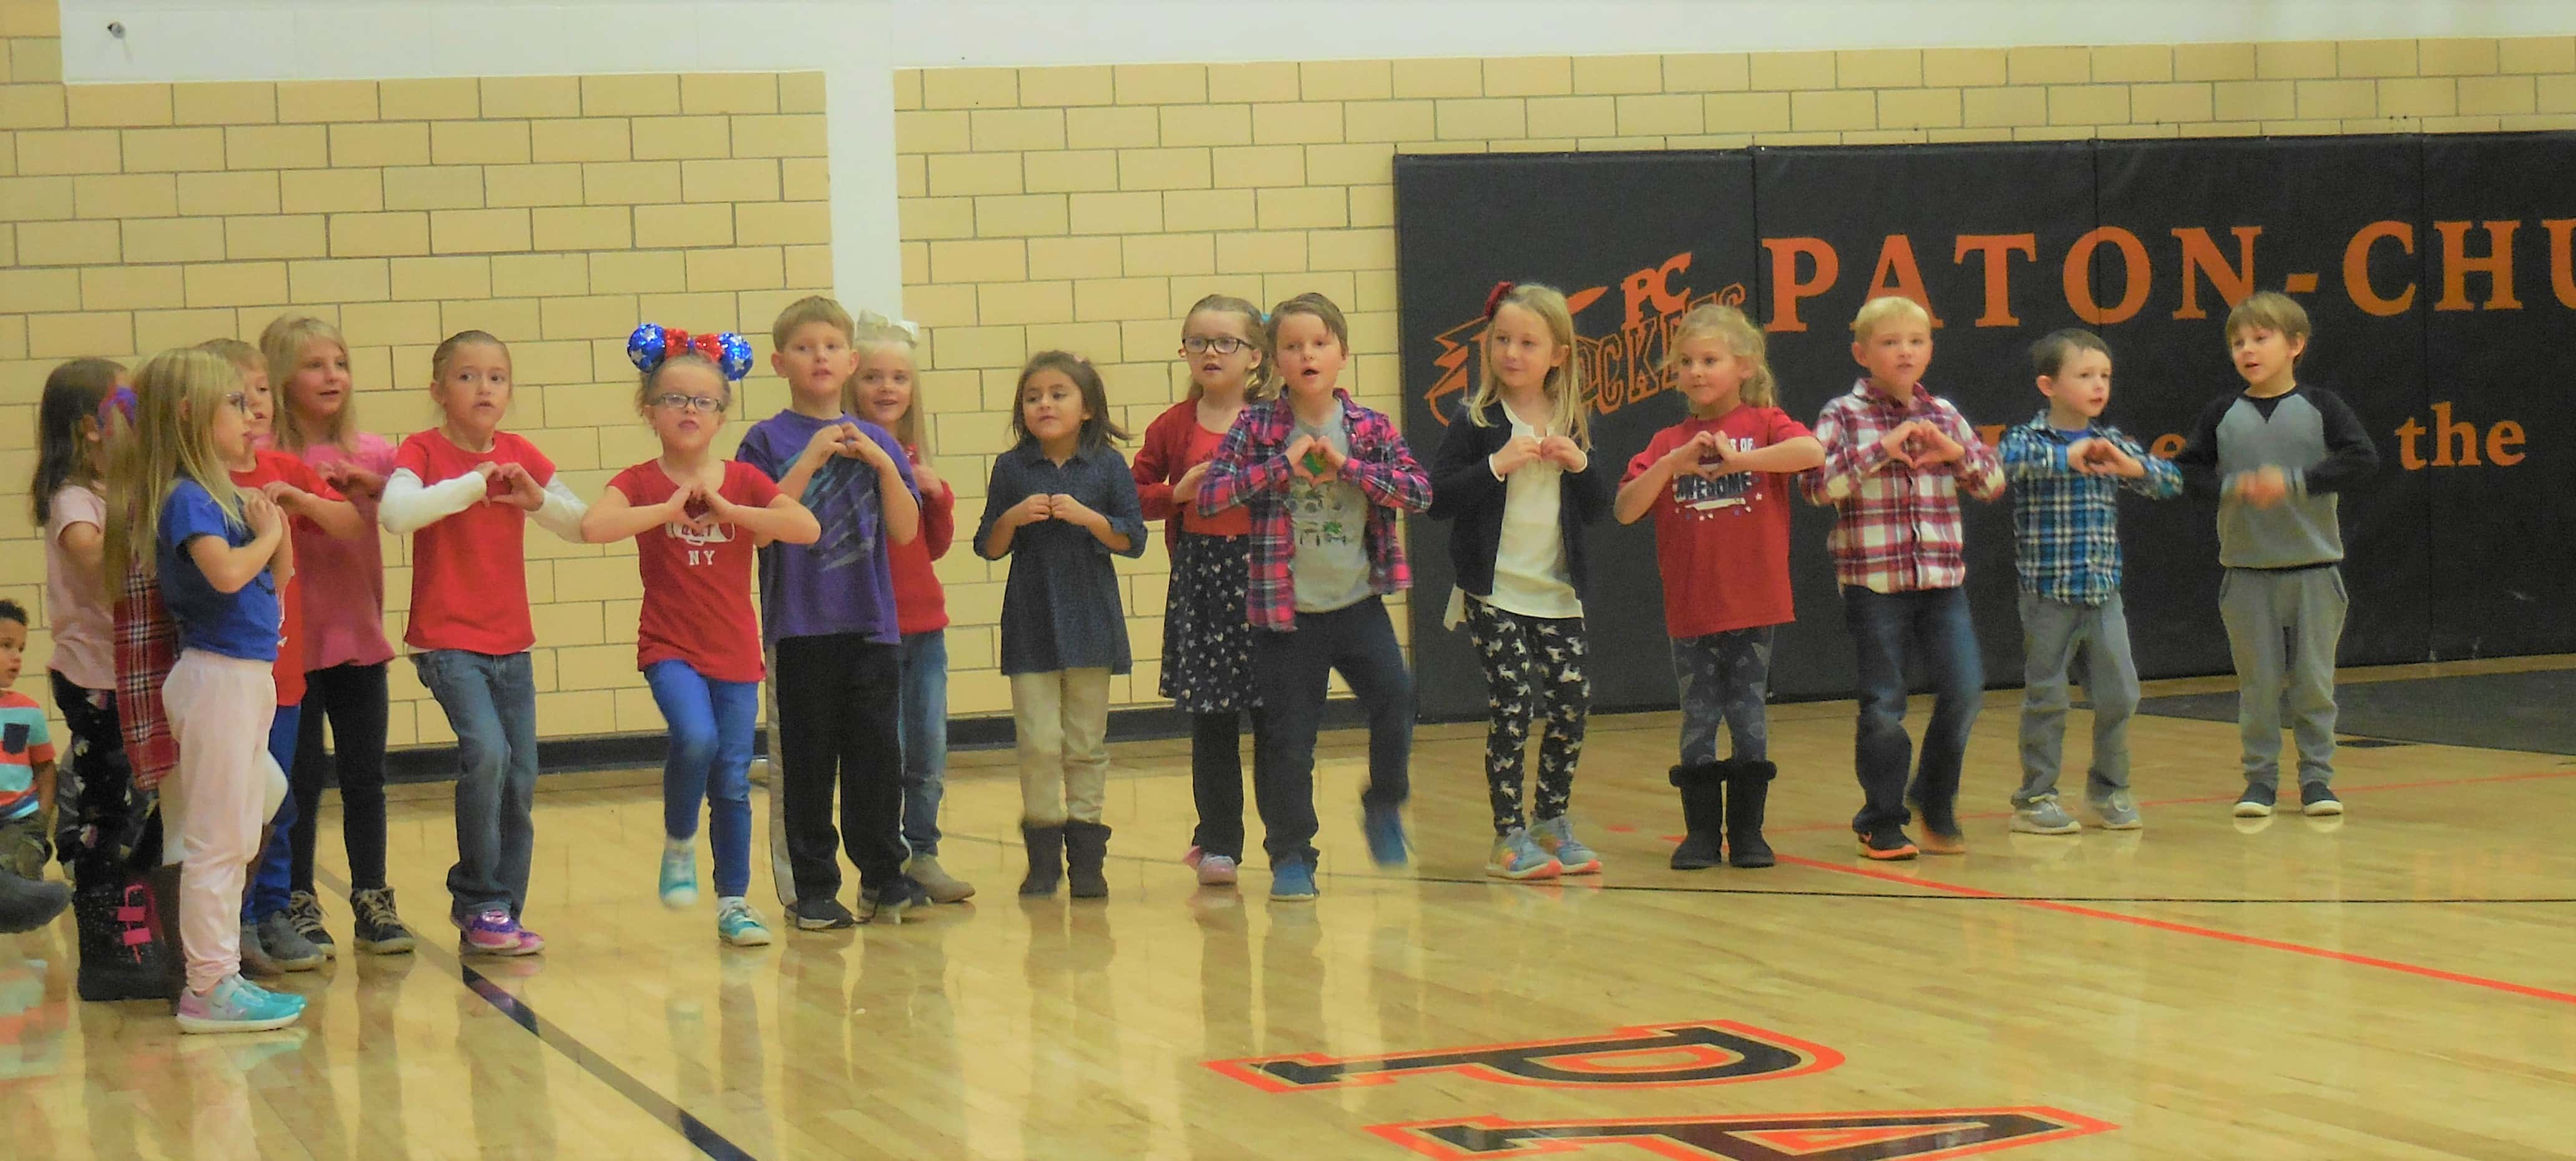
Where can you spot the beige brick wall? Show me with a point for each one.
(555, 212)
(1086, 207)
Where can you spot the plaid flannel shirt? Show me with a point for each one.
(1251, 469)
(147, 645)
(1896, 528)
(2066, 532)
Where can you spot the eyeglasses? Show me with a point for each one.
(1222, 344)
(238, 401)
(678, 402)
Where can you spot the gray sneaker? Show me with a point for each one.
(1556, 837)
(287, 947)
(254, 957)
(2044, 816)
(2118, 812)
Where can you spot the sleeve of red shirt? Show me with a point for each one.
(411, 458)
(939, 520)
(1783, 429)
(1153, 465)
(295, 471)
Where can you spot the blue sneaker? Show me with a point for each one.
(1292, 881)
(1385, 829)
(238, 1005)
(740, 926)
(679, 875)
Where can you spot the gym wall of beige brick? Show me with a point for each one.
(1074, 207)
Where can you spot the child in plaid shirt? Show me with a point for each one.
(1896, 459)
(2067, 470)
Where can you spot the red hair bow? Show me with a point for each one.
(1494, 298)
(678, 340)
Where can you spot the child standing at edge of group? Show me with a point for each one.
(886, 391)
(2067, 469)
(2277, 455)
(1310, 465)
(834, 629)
(270, 941)
(694, 640)
(468, 489)
(219, 553)
(345, 651)
(1896, 459)
(1207, 641)
(26, 759)
(1715, 483)
(1061, 501)
(1515, 473)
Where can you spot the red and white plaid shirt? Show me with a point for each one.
(1251, 469)
(147, 645)
(1896, 527)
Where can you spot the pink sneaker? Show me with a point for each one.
(1216, 871)
(493, 932)
(1192, 859)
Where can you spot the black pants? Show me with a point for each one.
(1291, 672)
(1216, 777)
(99, 816)
(352, 699)
(839, 699)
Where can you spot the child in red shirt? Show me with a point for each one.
(1716, 483)
(696, 519)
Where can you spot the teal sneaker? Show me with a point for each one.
(1292, 881)
(679, 875)
(738, 925)
(1556, 837)
(1517, 857)
(238, 1005)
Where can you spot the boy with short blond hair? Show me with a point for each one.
(2276, 455)
(1896, 459)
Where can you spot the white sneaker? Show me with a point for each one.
(2044, 816)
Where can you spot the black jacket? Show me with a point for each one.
(1463, 489)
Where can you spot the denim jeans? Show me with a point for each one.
(710, 762)
(491, 704)
(272, 879)
(925, 737)
(1932, 627)
(1291, 671)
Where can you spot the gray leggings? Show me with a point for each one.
(1724, 677)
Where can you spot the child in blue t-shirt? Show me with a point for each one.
(26, 759)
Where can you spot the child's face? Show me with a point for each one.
(815, 361)
(1712, 374)
(319, 387)
(1051, 407)
(261, 400)
(2262, 354)
(1522, 349)
(2082, 385)
(229, 428)
(686, 406)
(474, 388)
(13, 651)
(885, 384)
(1310, 358)
(1212, 369)
(1895, 354)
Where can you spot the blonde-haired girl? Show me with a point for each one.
(221, 554)
(1722, 544)
(1515, 473)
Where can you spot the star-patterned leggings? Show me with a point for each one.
(1724, 677)
(1531, 664)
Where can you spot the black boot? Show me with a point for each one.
(1703, 790)
(163, 883)
(1046, 858)
(1748, 790)
(121, 953)
(27, 904)
(1086, 846)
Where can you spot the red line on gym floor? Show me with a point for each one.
(2204, 932)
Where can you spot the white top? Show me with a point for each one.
(1531, 576)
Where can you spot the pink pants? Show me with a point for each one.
(217, 804)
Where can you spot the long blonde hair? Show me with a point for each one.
(176, 394)
(1571, 413)
(1711, 320)
(282, 343)
(869, 333)
(1262, 380)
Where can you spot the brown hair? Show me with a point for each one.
(281, 347)
(2269, 310)
(1263, 378)
(1308, 303)
(2048, 356)
(1719, 321)
(1098, 430)
(812, 308)
(72, 395)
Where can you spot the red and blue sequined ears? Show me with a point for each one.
(652, 343)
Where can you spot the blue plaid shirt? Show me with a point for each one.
(2066, 530)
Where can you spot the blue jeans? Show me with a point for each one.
(923, 727)
(491, 704)
(273, 878)
(710, 762)
(1931, 626)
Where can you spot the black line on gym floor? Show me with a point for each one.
(698, 1133)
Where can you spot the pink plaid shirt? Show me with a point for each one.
(1251, 469)
(147, 645)
(1896, 528)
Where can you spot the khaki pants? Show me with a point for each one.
(1062, 719)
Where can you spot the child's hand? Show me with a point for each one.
(829, 440)
(1564, 453)
(1936, 446)
(719, 509)
(1900, 441)
(488, 469)
(1186, 489)
(2263, 487)
(1296, 453)
(261, 513)
(354, 481)
(2110, 459)
(286, 496)
(675, 509)
(524, 493)
(1073, 511)
(1333, 459)
(923, 478)
(865, 450)
(1516, 453)
(1031, 510)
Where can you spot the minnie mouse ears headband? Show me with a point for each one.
(1494, 298)
(652, 344)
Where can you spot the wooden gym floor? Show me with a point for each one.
(2398, 984)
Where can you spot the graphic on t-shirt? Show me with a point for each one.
(1704, 497)
(849, 510)
(700, 539)
(1322, 513)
